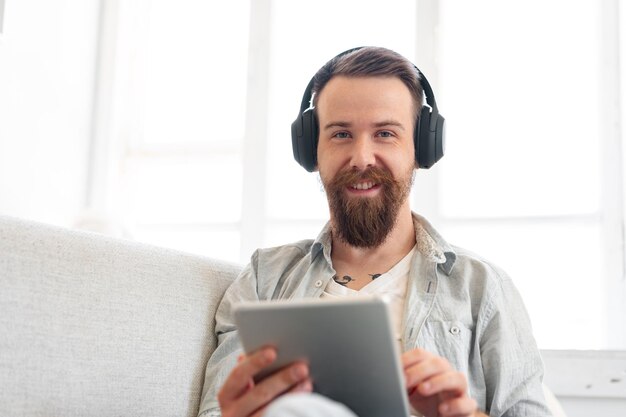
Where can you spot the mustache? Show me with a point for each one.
(352, 176)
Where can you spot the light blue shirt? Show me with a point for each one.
(458, 306)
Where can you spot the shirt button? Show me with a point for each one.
(455, 330)
(318, 283)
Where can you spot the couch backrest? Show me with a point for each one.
(91, 325)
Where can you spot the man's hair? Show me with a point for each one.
(371, 62)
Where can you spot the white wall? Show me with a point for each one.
(47, 66)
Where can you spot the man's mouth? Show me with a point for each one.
(363, 185)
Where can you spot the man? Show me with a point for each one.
(465, 334)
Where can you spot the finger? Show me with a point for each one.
(452, 383)
(271, 387)
(239, 379)
(460, 406)
(425, 369)
(412, 357)
(303, 386)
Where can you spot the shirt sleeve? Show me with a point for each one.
(512, 363)
(224, 358)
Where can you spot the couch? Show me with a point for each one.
(92, 325)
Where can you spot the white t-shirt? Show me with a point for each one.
(391, 286)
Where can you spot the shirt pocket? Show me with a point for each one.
(449, 339)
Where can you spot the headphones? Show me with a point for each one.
(428, 137)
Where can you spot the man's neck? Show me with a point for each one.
(400, 241)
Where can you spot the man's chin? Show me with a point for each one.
(366, 240)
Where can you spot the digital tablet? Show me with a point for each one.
(349, 345)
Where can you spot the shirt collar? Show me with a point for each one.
(432, 245)
(429, 243)
(322, 243)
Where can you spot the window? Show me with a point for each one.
(179, 168)
(529, 181)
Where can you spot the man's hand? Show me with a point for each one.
(435, 389)
(241, 397)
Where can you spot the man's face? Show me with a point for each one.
(365, 154)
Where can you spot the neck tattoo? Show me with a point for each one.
(346, 279)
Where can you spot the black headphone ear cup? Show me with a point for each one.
(421, 137)
(429, 144)
(309, 140)
(304, 140)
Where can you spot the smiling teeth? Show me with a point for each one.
(363, 186)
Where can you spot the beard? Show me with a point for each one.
(365, 222)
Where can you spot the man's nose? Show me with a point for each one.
(363, 155)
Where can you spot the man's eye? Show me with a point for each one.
(342, 135)
(385, 134)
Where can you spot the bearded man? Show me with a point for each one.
(462, 326)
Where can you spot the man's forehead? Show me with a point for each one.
(366, 101)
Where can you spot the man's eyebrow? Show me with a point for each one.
(332, 125)
(389, 123)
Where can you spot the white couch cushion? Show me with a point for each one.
(91, 325)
